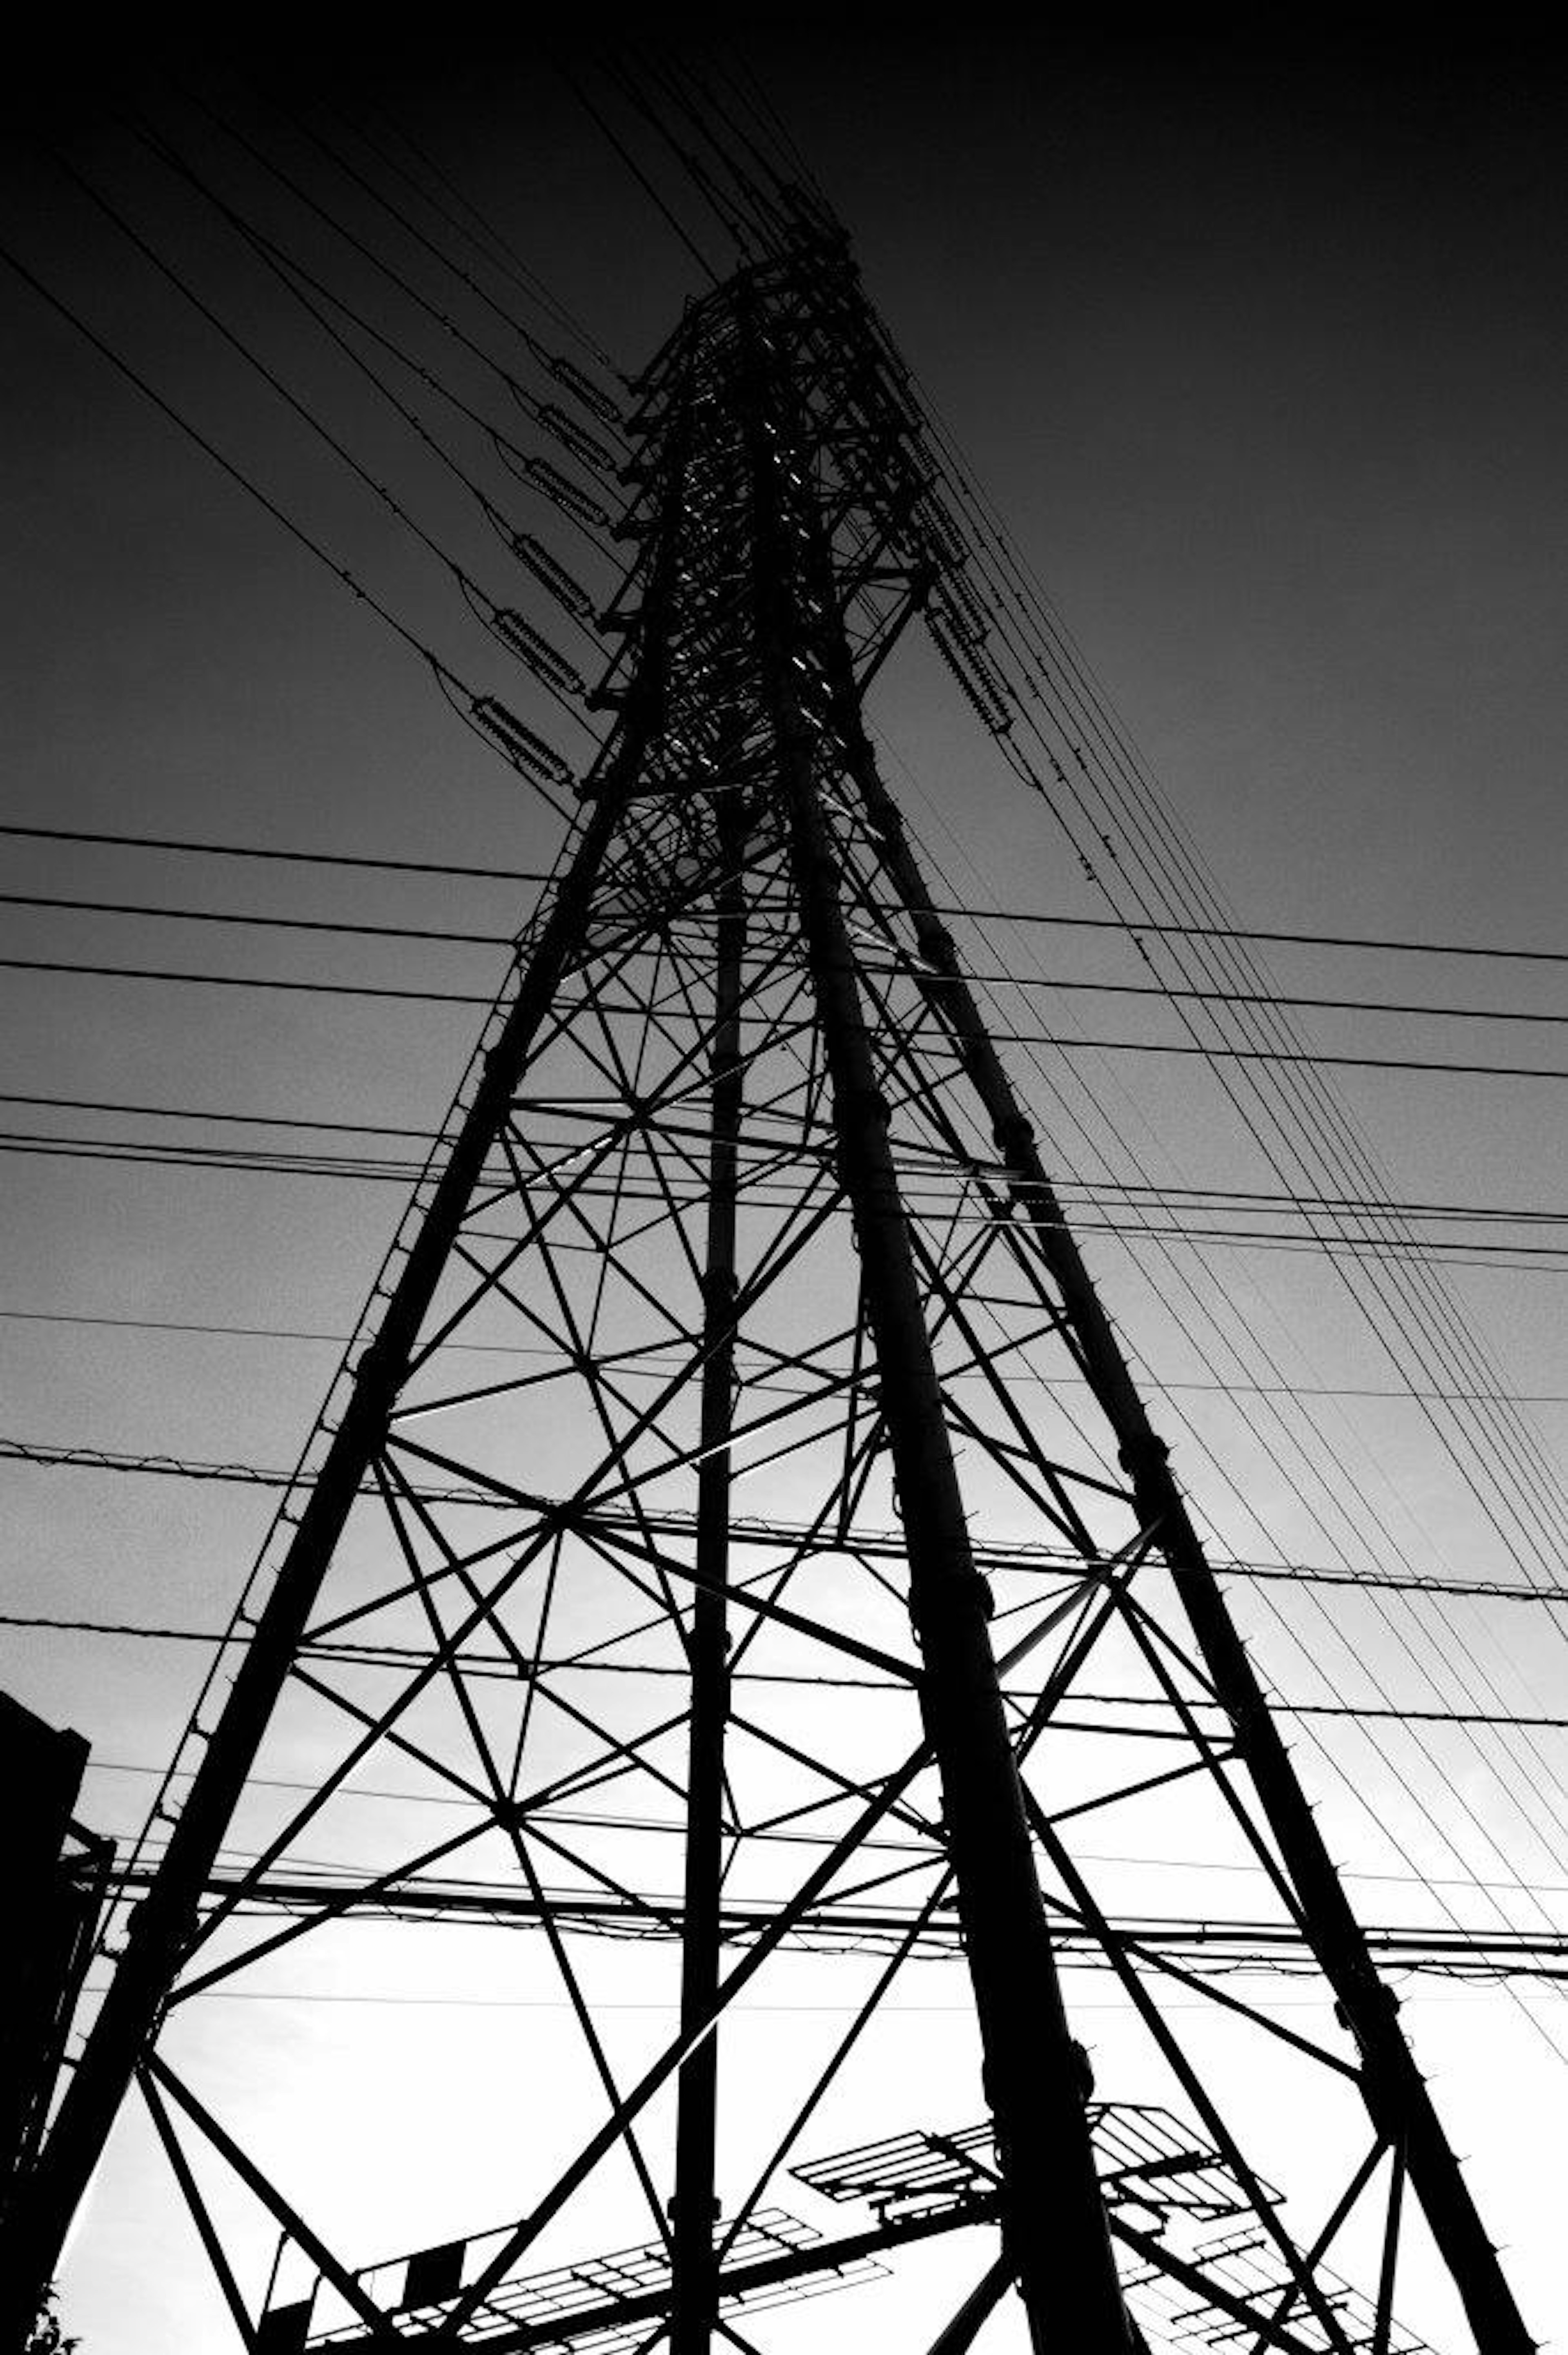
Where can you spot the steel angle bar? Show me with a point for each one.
(331, 1907)
(770, 1936)
(905, 1673)
(382, 2333)
(1031, 2065)
(190, 2191)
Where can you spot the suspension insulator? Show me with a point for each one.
(942, 536)
(582, 388)
(534, 650)
(979, 683)
(959, 612)
(965, 599)
(563, 493)
(519, 743)
(568, 594)
(584, 446)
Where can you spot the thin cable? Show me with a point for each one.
(1006, 1038)
(441, 670)
(291, 273)
(1101, 1192)
(973, 975)
(655, 1367)
(976, 913)
(181, 844)
(638, 173)
(340, 449)
(503, 257)
(375, 1655)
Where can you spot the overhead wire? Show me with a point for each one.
(529, 402)
(379, 1654)
(1098, 1192)
(1535, 1259)
(44, 1455)
(184, 845)
(1152, 794)
(1071, 984)
(1244, 1051)
(483, 603)
(1205, 1449)
(976, 911)
(797, 1837)
(1553, 1778)
(665, 211)
(442, 671)
(243, 1616)
(292, 275)
(482, 236)
(537, 351)
(1492, 1385)
(1163, 1382)
(94, 968)
(1238, 1052)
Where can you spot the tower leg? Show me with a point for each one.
(1395, 2092)
(1054, 2220)
(693, 2277)
(162, 1924)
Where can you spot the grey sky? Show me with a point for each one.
(1262, 356)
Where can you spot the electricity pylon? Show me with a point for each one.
(740, 1177)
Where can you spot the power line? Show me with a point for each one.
(1101, 1192)
(285, 923)
(1089, 854)
(1266, 1055)
(45, 1456)
(445, 677)
(238, 916)
(537, 351)
(481, 1663)
(643, 182)
(584, 513)
(255, 1161)
(799, 1835)
(182, 844)
(1424, 1307)
(513, 266)
(244, 981)
(526, 401)
(980, 914)
(479, 600)
(537, 1349)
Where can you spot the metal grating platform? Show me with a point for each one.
(1180, 2321)
(1145, 2159)
(597, 2306)
(1165, 2187)
(1198, 2261)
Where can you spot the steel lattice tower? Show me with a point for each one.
(739, 1162)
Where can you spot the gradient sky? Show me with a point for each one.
(1261, 352)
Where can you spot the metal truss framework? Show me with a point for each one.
(737, 1152)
